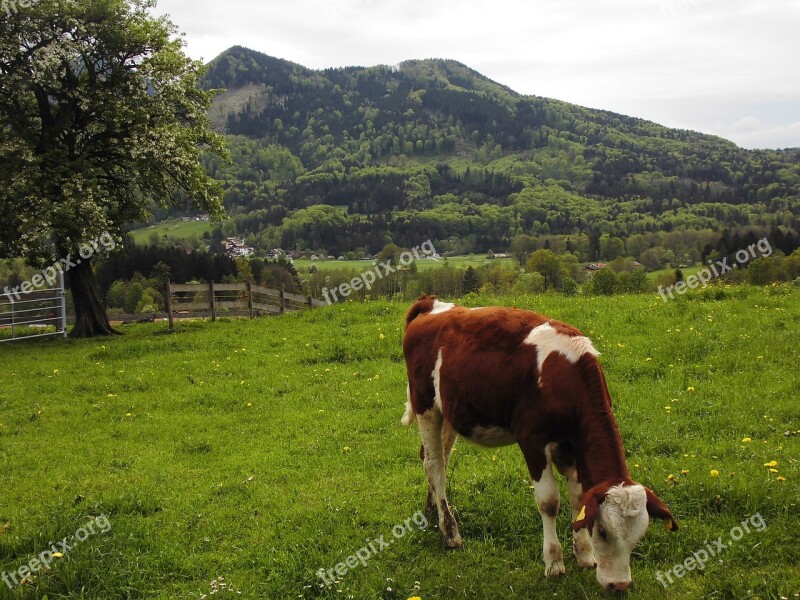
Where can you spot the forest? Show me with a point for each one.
(349, 159)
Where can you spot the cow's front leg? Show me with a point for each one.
(430, 430)
(581, 540)
(547, 501)
(564, 461)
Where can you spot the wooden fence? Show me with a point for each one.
(190, 300)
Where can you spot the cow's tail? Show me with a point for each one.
(409, 417)
(420, 307)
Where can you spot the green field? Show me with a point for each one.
(264, 451)
(472, 260)
(174, 229)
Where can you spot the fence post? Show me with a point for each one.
(169, 305)
(212, 300)
(310, 302)
(250, 298)
(63, 307)
(13, 316)
(283, 300)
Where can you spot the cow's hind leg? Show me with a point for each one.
(548, 500)
(431, 431)
(449, 436)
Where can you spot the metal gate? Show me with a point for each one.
(40, 313)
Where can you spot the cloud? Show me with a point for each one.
(751, 132)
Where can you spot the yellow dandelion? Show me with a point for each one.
(415, 598)
(773, 470)
(684, 471)
(746, 440)
(346, 449)
(714, 473)
(690, 389)
(58, 555)
(772, 463)
(382, 336)
(780, 479)
(648, 359)
(128, 414)
(249, 404)
(671, 477)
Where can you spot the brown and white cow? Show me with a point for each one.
(499, 376)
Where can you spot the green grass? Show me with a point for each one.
(174, 229)
(472, 260)
(263, 451)
(687, 271)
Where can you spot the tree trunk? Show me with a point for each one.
(91, 318)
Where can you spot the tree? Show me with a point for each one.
(471, 282)
(548, 264)
(391, 253)
(100, 116)
(603, 282)
(521, 247)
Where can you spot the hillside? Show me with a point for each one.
(433, 149)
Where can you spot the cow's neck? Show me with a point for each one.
(600, 456)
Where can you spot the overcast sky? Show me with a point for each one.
(727, 67)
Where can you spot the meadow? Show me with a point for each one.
(174, 229)
(471, 260)
(263, 451)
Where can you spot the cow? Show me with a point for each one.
(498, 376)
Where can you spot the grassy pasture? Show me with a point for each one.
(174, 229)
(472, 260)
(263, 451)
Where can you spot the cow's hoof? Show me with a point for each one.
(586, 563)
(582, 549)
(453, 543)
(556, 569)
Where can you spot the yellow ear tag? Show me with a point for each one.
(581, 515)
(668, 525)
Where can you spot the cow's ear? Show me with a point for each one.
(656, 508)
(592, 500)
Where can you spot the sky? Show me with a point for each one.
(724, 67)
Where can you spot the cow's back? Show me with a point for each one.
(487, 374)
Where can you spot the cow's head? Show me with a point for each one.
(616, 517)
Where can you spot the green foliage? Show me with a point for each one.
(100, 115)
(432, 149)
(604, 283)
(471, 282)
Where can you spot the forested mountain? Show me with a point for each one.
(352, 158)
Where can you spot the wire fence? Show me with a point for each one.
(37, 314)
